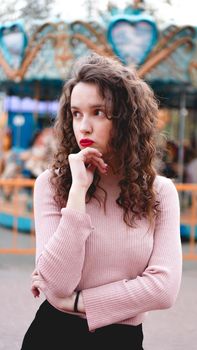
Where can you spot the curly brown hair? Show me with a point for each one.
(133, 108)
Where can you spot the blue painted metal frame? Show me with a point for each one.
(133, 19)
(11, 26)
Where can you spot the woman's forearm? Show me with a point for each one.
(76, 198)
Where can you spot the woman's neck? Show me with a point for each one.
(111, 177)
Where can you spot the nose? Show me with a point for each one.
(85, 125)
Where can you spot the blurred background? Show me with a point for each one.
(39, 41)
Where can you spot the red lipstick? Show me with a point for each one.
(86, 142)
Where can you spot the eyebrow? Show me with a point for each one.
(90, 106)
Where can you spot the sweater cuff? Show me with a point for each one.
(101, 310)
(75, 217)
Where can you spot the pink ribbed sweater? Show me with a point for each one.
(123, 272)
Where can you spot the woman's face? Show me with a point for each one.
(90, 124)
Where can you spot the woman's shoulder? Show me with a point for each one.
(43, 178)
(163, 183)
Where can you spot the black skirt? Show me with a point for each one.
(52, 329)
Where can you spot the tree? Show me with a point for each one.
(30, 12)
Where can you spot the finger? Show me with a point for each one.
(36, 278)
(101, 163)
(34, 273)
(38, 285)
(90, 150)
(90, 156)
(91, 168)
(94, 165)
(83, 154)
(99, 166)
(35, 291)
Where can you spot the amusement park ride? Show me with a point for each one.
(130, 35)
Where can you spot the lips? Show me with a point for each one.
(86, 142)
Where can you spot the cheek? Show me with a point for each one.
(107, 133)
(75, 130)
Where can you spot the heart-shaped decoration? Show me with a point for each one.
(132, 37)
(13, 42)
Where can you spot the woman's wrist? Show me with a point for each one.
(78, 305)
(77, 188)
(76, 199)
(75, 308)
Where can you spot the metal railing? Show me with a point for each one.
(15, 207)
(188, 200)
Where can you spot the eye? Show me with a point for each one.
(76, 114)
(99, 113)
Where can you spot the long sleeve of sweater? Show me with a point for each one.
(60, 240)
(157, 287)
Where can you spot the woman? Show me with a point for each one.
(108, 246)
